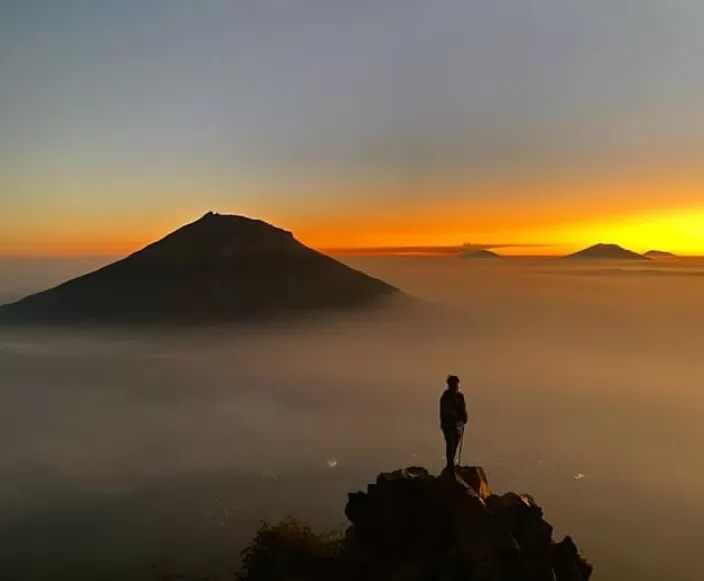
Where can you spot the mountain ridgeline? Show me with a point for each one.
(220, 268)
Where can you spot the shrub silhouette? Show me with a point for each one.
(288, 551)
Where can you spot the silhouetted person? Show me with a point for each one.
(453, 417)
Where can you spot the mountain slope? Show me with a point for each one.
(219, 268)
(606, 252)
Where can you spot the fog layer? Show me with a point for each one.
(135, 455)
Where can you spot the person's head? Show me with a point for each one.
(453, 383)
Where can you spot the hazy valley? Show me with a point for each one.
(583, 383)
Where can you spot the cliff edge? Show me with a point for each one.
(412, 526)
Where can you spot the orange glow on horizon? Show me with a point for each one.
(547, 225)
(678, 232)
(681, 232)
(559, 216)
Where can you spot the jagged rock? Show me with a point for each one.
(475, 478)
(410, 525)
(567, 562)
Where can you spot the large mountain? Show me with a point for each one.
(606, 252)
(219, 268)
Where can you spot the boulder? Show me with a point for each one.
(411, 525)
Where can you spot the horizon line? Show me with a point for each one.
(388, 250)
(454, 250)
(425, 250)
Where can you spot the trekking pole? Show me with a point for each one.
(459, 459)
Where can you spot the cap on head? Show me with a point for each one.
(453, 380)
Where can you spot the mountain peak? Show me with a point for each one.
(216, 236)
(479, 253)
(219, 268)
(233, 220)
(604, 251)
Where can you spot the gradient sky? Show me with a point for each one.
(353, 123)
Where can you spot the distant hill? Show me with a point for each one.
(606, 252)
(659, 254)
(479, 253)
(219, 268)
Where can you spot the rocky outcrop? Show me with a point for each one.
(412, 526)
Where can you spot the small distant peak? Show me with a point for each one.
(659, 254)
(607, 251)
(479, 253)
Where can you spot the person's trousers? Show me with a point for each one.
(452, 434)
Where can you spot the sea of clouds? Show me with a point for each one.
(135, 455)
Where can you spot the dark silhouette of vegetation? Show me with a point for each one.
(289, 551)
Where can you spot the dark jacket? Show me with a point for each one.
(453, 411)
